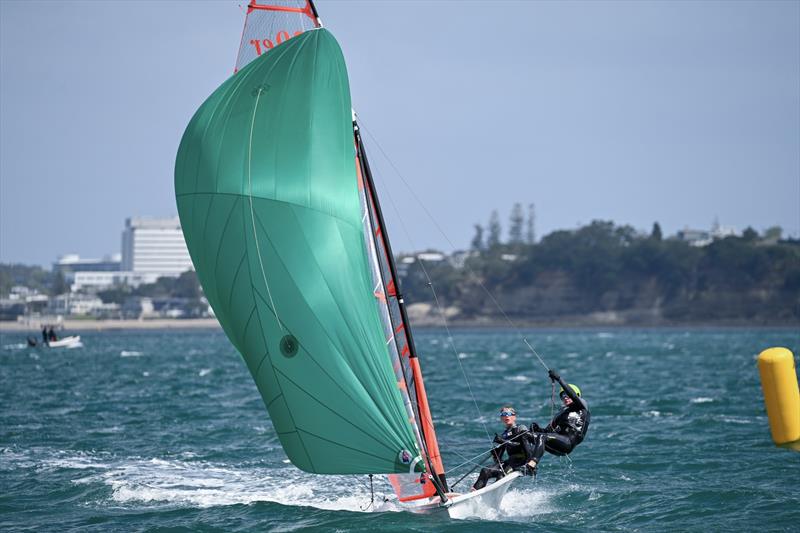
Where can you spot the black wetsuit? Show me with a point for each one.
(515, 444)
(567, 429)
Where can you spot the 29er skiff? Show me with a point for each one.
(285, 230)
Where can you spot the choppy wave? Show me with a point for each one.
(181, 436)
(702, 399)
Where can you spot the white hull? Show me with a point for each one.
(470, 504)
(66, 342)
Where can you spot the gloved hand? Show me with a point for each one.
(553, 375)
(535, 428)
(498, 439)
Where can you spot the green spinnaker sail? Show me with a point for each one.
(267, 193)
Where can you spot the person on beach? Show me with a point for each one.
(44, 335)
(52, 334)
(512, 442)
(568, 427)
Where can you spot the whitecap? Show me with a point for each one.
(19, 346)
(701, 399)
(463, 355)
(518, 378)
(736, 420)
(604, 335)
(204, 372)
(130, 353)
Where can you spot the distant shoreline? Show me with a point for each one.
(573, 323)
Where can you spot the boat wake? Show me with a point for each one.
(161, 482)
(137, 482)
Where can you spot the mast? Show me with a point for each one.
(423, 411)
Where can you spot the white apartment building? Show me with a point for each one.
(154, 246)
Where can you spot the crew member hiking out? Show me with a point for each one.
(567, 429)
(512, 442)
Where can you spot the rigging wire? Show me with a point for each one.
(438, 304)
(511, 323)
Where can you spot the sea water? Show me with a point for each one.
(143, 430)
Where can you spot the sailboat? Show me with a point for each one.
(282, 220)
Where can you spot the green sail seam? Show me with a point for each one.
(264, 199)
(328, 408)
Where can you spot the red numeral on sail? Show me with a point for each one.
(264, 45)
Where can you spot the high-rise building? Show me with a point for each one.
(154, 246)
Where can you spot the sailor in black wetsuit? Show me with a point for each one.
(513, 442)
(567, 429)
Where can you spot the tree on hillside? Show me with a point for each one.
(773, 233)
(656, 233)
(530, 230)
(494, 230)
(187, 286)
(60, 285)
(33, 277)
(749, 234)
(477, 240)
(515, 222)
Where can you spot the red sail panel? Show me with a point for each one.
(434, 457)
(270, 23)
(409, 487)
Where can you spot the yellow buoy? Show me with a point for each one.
(781, 394)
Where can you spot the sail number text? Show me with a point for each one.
(263, 45)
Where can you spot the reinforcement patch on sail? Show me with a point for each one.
(267, 194)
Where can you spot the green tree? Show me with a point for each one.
(59, 285)
(493, 240)
(530, 225)
(477, 240)
(187, 286)
(114, 295)
(773, 233)
(515, 223)
(656, 233)
(749, 234)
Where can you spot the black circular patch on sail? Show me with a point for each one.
(289, 346)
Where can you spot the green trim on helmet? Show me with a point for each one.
(574, 388)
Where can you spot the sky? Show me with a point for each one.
(677, 112)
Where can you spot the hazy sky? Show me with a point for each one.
(677, 112)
